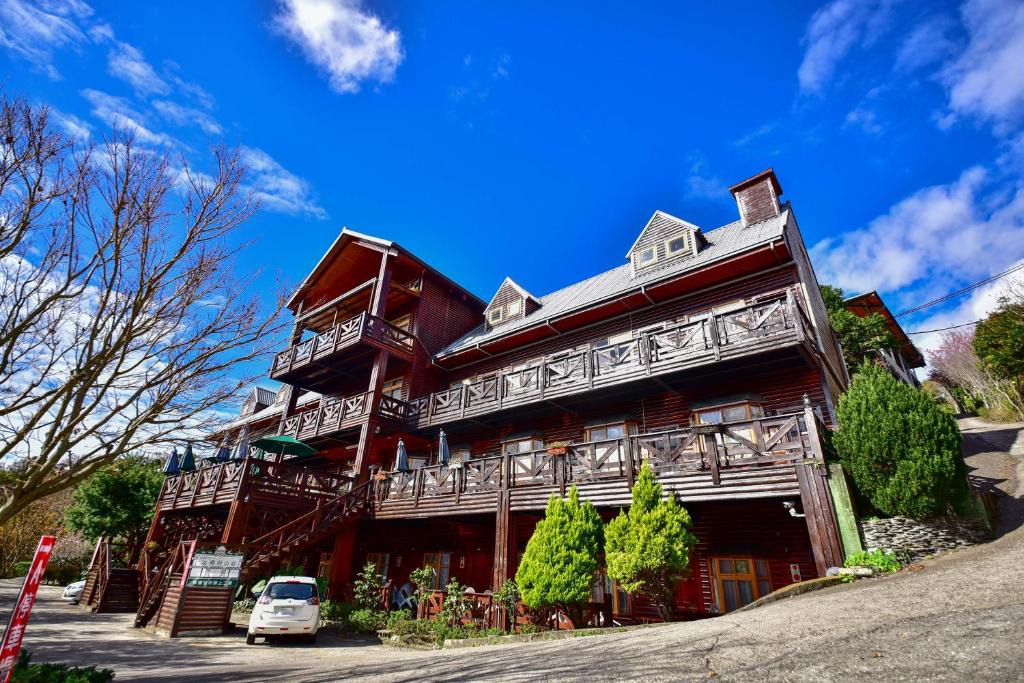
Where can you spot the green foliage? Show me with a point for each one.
(901, 450)
(365, 621)
(455, 603)
(321, 586)
(117, 501)
(999, 343)
(561, 556)
(508, 597)
(245, 606)
(20, 568)
(335, 610)
(435, 631)
(858, 336)
(366, 589)
(648, 549)
(397, 615)
(879, 560)
(26, 672)
(423, 579)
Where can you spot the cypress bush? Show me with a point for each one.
(558, 566)
(901, 449)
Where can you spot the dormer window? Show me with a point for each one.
(511, 302)
(514, 307)
(676, 245)
(495, 314)
(645, 257)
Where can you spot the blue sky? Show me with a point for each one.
(535, 139)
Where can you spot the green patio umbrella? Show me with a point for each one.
(285, 445)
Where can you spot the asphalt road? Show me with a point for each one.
(956, 617)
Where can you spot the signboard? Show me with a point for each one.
(214, 569)
(22, 608)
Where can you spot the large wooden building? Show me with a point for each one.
(707, 354)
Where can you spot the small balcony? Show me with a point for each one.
(310, 362)
(336, 414)
(748, 459)
(702, 340)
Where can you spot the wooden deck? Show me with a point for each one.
(330, 347)
(671, 347)
(756, 459)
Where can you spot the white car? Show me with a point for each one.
(288, 606)
(73, 592)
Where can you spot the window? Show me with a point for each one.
(494, 315)
(521, 446)
(676, 245)
(290, 590)
(441, 562)
(403, 323)
(460, 455)
(393, 388)
(610, 431)
(739, 581)
(604, 590)
(619, 338)
(645, 257)
(417, 461)
(729, 413)
(380, 564)
(513, 308)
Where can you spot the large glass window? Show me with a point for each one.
(441, 562)
(739, 581)
(609, 431)
(521, 446)
(393, 388)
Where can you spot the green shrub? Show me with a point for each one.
(335, 610)
(365, 621)
(901, 450)
(879, 560)
(507, 597)
(20, 568)
(366, 589)
(648, 548)
(529, 628)
(435, 631)
(26, 672)
(397, 615)
(455, 603)
(561, 557)
(244, 606)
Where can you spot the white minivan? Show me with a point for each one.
(288, 606)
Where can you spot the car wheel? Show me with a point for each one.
(250, 639)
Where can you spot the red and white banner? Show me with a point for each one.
(22, 608)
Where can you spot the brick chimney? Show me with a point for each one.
(758, 197)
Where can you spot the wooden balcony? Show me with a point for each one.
(336, 414)
(333, 346)
(753, 459)
(283, 484)
(702, 340)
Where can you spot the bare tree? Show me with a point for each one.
(121, 322)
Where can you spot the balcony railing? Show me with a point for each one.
(362, 328)
(709, 449)
(701, 340)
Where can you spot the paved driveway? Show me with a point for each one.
(957, 617)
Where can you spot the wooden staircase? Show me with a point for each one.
(274, 547)
(108, 588)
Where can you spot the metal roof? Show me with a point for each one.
(721, 243)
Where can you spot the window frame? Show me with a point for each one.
(389, 387)
(381, 563)
(628, 428)
(534, 439)
(669, 251)
(492, 318)
(760, 583)
(441, 562)
(638, 256)
(518, 303)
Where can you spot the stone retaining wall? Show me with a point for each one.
(911, 540)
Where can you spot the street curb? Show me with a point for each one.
(792, 590)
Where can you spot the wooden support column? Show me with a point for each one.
(238, 515)
(501, 538)
(819, 510)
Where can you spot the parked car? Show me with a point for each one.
(288, 606)
(73, 592)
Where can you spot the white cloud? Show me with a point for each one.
(927, 44)
(127, 62)
(182, 115)
(71, 124)
(118, 113)
(348, 43)
(937, 239)
(833, 31)
(700, 183)
(986, 80)
(864, 119)
(34, 30)
(278, 188)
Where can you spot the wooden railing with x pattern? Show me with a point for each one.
(701, 339)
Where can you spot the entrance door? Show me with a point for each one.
(739, 581)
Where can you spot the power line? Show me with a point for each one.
(943, 329)
(951, 295)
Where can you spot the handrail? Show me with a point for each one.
(154, 586)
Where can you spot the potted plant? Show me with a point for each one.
(557, 447)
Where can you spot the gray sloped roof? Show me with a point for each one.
(722, 242)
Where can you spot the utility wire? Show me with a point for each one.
(943, 329)
(951, 295)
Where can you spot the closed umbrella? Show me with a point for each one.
(443, 454)
(188, 460)
(402, 458)
(223, 452)
(171, 467)
(242, 447)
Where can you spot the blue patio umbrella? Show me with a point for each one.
(188, 460)
(443, 454)
(402, 459)
(223, 452)
(172, 467)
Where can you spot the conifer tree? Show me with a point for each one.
(901, 449)
(648, 549)
(558, 566)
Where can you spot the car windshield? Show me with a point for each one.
(290, 591)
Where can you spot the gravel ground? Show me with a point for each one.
(958, 616)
